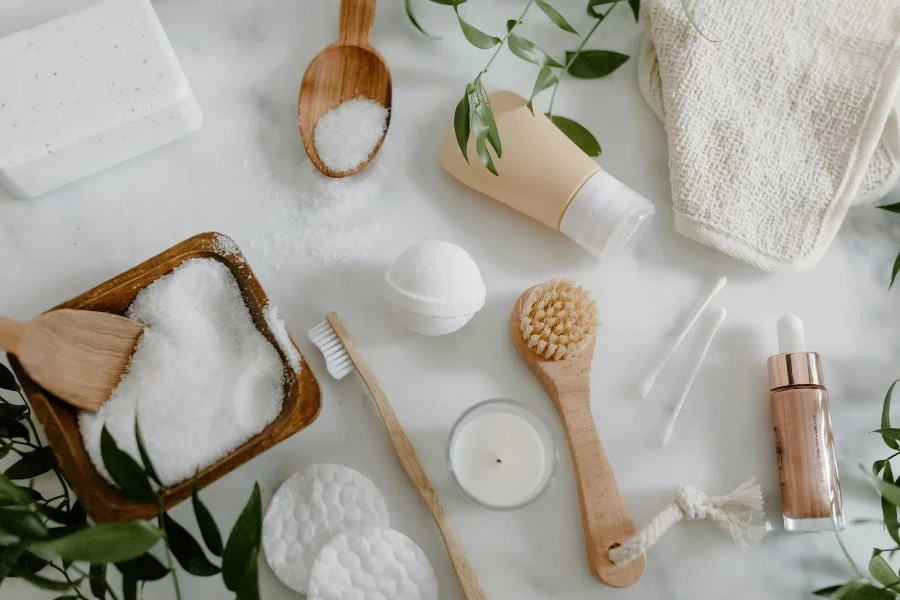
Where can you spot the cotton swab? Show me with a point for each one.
(667, 432)
(647, 385)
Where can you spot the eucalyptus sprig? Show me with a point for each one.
(895, 208)
(473, 113)
(882, 581)
(49, 542)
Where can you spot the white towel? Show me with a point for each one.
(777, 126)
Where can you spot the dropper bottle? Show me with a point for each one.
(804, 442)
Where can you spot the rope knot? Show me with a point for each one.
(692, 502)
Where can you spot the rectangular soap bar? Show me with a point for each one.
(87, 91)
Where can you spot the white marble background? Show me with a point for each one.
(245, 59)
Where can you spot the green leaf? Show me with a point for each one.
(894, 271)
(22, 522)
(635, 9)
(125, 471)
(827, 591)
(66, 598)
(7, 379)
(591, 64)
(448, 2)
(13, 429)
(888, 491)
(129, 588)
(249, 588)
(11, 493)
(50, 584)
(97, 580)
(484, 155)
(886, 417)
(895, 208)
(32, 464)
(877, 466)
(208, 528)
(527, 50)
(891, 432)
(63, 517)
(462, 125)
(105, 543)
(145, 567)
(578, 134)
(243, 543)
(882, 571)
(407, 4)
(888, 510)
(545, 79)
(554, 16)
(13, 411)
(592, 10)
(145, 456)
(187, 550)
(30, 563)
(863, 591)
(476, 37)
(484, 123)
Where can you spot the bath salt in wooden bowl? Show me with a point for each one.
(299, 407)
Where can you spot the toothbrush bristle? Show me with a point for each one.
(337, 361)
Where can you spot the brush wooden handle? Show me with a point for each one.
(11, 334)
(356, 21)
(413, 467)
(603, 510)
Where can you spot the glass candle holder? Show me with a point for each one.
(501, 455)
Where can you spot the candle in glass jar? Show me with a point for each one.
(501, 455)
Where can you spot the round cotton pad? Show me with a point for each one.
(375, 563)
(309, 510)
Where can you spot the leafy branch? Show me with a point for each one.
(49, 542)
(894, 208)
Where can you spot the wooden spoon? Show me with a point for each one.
(346, 69)
(604, 513)
(76, 355)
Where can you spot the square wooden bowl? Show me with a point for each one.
(102, 501)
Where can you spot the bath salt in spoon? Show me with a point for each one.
(76, 355)
(350, 72)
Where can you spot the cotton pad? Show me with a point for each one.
(374, 563)
(309, 510)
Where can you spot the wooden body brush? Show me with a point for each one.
(554, 326)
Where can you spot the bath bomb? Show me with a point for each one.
(374, 563)
(309, 510)
(86, 91)
(434, 287)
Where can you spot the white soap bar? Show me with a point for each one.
(87, 91)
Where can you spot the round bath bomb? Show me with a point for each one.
(309, 510)
(434, 287)
(375, 563)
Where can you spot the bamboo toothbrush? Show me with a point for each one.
(341, 355)
(554, 327)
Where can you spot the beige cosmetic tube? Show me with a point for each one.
(544, 175)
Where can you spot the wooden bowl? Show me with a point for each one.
(102, 501)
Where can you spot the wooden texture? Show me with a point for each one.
(348, 68)
(103, 502)
(604, 513)
(77, 355)
(414, 469)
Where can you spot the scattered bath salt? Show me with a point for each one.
(202, 379)
(311, 218)
(279, 330)
(226, 246)
(345, 136)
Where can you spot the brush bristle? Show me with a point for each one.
(337, 361)
(558, 319)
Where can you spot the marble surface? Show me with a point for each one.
(245, 172)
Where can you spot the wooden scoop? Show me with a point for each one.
(346, 69)
(77, 355)
(604, 513)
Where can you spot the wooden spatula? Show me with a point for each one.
(77, 355)
(348, 68)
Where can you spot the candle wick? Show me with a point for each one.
(499, 460)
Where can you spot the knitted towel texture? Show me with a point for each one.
(777, 126)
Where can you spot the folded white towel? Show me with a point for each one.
(779, 125)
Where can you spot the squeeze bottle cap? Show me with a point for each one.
(606, 217)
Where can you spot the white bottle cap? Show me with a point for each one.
(606, 217)
(790, 335)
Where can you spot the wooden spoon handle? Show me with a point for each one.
(603, 510)
(405, 452)
(356, 21)
(11, 334)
